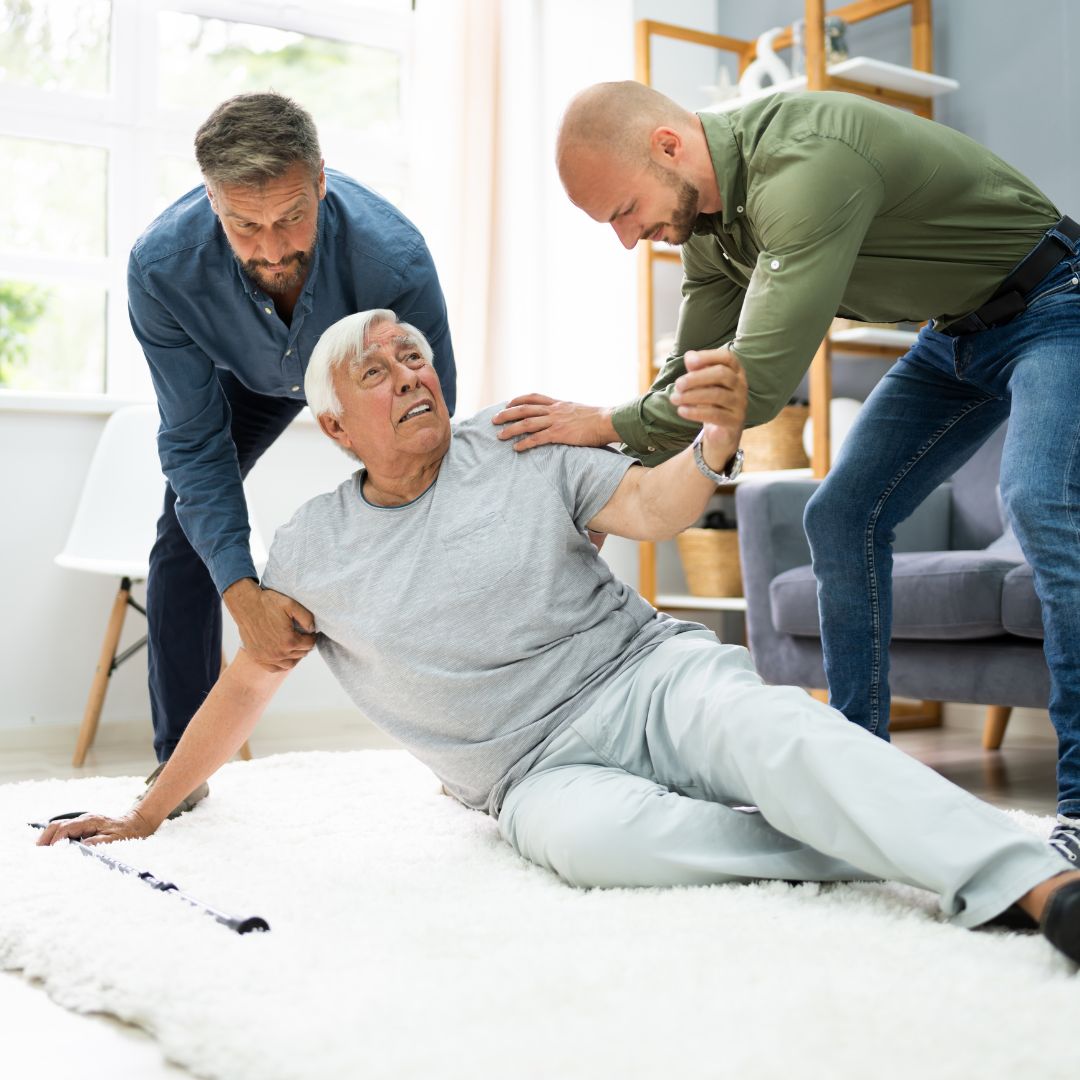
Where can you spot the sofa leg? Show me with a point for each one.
(910, 715)
(997, 716)
(903, 715)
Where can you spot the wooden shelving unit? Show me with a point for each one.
(911, 88)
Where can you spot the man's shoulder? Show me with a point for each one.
(316, 517)
(364, 221)
(189, 223)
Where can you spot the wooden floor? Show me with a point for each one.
(1020, 775)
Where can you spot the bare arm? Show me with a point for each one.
(658, 503)
(224, 720)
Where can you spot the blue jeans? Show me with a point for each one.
(928, 415)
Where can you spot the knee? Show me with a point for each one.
(830, 520)
(1027, 509)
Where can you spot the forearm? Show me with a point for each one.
(658, 503)
(219, 728)
(672, 496)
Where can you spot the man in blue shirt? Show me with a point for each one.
(228, 291)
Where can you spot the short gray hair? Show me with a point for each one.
(341, 343)
(253, 138)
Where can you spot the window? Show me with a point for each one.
(99, 103)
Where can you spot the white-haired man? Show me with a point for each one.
(461, 604)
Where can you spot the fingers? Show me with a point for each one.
(77, 829)
(540, 438)
(302, 618)
(696, 359)
(514, 403)
(713, 390)
(522, 420)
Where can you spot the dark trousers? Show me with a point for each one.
(183, 608)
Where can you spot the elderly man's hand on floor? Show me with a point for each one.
(95, 829)
(275, 630)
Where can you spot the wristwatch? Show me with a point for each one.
(732, 467)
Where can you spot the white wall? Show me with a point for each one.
(55, 618)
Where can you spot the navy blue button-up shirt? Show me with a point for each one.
(194, 310)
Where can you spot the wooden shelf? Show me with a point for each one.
(864, 71)
(912, 88)
(689, 602)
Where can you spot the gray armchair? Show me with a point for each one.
(966, 624)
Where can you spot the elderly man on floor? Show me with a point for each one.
(458, 599)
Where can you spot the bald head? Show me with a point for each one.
(637, 161)
(615, 119)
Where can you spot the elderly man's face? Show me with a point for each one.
(272, 227)
(392, 409)
(640, 201)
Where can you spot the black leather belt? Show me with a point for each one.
(1012, 294)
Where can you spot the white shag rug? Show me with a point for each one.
(409, 941)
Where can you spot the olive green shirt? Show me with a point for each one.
(832, 205)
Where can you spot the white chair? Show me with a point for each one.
(114, 528)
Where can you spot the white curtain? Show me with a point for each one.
(540, 297)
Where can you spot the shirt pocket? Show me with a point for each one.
(478, 554)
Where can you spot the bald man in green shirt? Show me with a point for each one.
(800, 207)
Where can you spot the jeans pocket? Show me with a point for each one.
(1065, 279)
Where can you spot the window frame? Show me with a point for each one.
(135, 131)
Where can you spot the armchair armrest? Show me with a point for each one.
(772, 540)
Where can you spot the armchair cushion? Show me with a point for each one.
(946, 595)
(1020, 610)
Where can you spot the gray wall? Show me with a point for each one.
(1019, 84)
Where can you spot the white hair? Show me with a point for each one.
(342, 343)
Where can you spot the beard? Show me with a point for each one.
(293, 270)
(684, 217)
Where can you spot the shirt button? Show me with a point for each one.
(739, 209)
(295, 388)
(651, 449)
(775, 264)
(268, 310)
(288, 352)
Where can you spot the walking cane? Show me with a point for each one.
(241, 926)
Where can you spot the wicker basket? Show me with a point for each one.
(779, 443)
(710, 558)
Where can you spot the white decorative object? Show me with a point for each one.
(766, 65)
(842, 414)
(722, 90)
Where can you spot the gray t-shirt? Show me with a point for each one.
(474, 623)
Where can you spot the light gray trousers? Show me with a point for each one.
(642, 789)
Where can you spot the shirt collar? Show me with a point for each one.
(727, 164)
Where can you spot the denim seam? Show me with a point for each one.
(1064, 287)
(872, 584)
(1067, 479)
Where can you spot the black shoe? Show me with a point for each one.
(1061, 920)
(1065, 839)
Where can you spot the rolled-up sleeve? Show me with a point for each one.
(197, 453)
(811, 208)
(650, 426)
